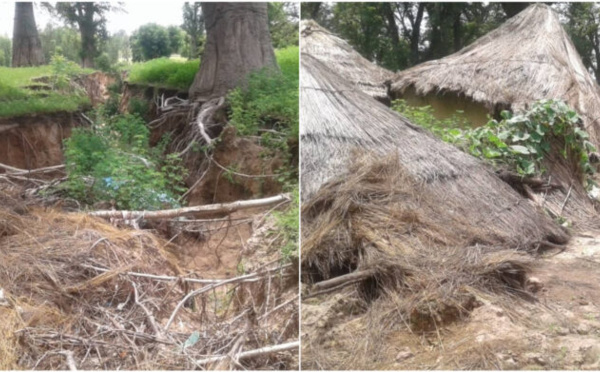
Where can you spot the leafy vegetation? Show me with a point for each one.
(113, 162)
(152, 41)
(18, 95)
(517, 142)
(269, 100)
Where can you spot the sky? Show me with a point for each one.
(164, 13)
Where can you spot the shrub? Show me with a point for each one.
(102, 63)
(269, 99)
(114, 162)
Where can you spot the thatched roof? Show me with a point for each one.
(528, 58)
(337, 119)
(345, 61)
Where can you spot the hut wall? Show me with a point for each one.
(446, 104)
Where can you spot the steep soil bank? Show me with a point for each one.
(35, 141)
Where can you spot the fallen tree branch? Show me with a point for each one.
(166, 278)
(196, 210)
(344, 279)
(19, 172)
(253, 353)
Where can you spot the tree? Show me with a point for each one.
(118, 47)
(411, 17)
(61, 40)
(283, 24)
(27, 47)
(176, 38)
(238, 42)
(150, 41)
(5, 51)
(90, 18)
(583, 26)
(193, 25)
(372, 30)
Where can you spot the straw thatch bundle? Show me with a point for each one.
(530, 57)
(340, 57)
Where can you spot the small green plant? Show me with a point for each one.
(102, 63)
(230, 172)
(63, 70)
(113, 162)
(138, 107)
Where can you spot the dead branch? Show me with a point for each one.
(344, 279)
(70, 360)
(253, 353)
(196, 210)
(167, 278)
(151, 320)
(13, 171)
(280, 306)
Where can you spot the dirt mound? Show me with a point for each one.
(35, 141)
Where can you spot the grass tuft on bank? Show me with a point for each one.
(20, 94)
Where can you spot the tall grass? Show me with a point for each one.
(179, 74)
(164, 72)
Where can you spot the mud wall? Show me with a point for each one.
(35, 141)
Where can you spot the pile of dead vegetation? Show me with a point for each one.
(403, 258)
(81, 293)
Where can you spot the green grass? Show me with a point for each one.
(16, 99)
(287, 59)
(178, 74)
(164, 72)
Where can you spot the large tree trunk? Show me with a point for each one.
(238, 42)
(27, 47)
(87, 29)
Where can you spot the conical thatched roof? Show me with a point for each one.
(337, 119)
(528, 58)
(345, 61)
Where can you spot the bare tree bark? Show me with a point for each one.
(196, 210)
(27, 47)
(238, 42)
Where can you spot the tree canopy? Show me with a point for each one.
(398, 35)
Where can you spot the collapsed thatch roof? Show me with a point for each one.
(338, 119)
(528, 58)
(345, 61)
